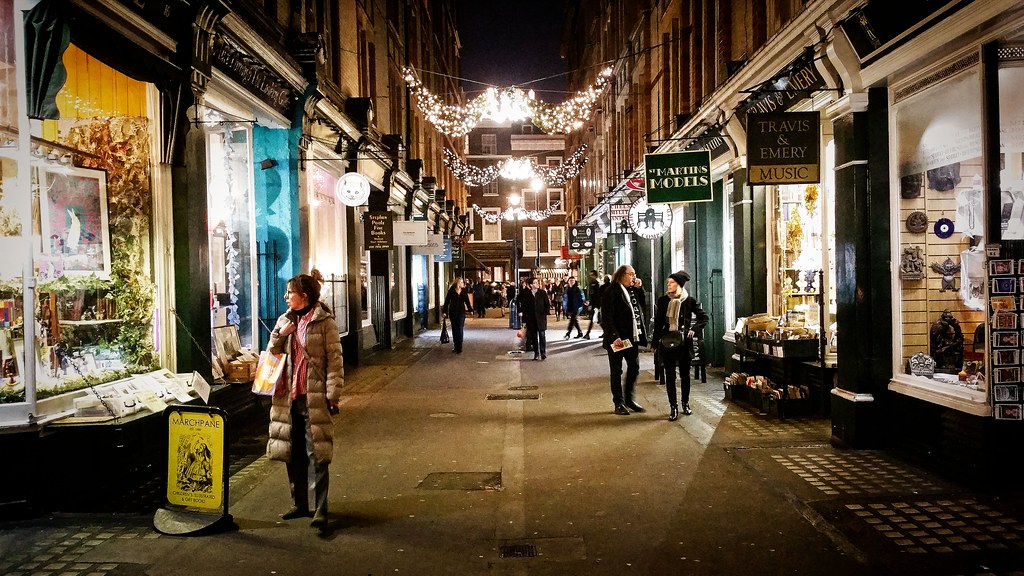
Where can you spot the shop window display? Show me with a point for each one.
(803, 253)
(941, 285)
(92, 209)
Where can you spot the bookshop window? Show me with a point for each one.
(940, 267)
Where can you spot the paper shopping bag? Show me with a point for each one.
(268, 373)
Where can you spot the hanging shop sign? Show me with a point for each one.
(678, 176)
(794, 83)
(433, 247)
(619, 216)
(649, 220)
(353, 189)
(784, 148)
(710, 139)
(378, 230)
(567, 254)
(875, 28)
(446, 251)
(410, 233)
(582, 237)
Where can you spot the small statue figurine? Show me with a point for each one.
(947, 270)
(947, 344)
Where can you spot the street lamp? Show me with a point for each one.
(513, 212)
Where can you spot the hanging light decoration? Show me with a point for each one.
(516, 169)
(509, 213)
(504, 104)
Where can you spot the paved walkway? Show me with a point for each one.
(490, 463)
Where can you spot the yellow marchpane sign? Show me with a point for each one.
(195, 459)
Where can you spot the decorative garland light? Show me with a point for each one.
(516, 169)
(509, 213)
(506, 104)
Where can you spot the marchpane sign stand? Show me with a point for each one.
(196, 479)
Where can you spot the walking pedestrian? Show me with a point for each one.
(593, 301)
(677, 314)
(456, 305)
(624, 334)
(536, 306)
(301, 430)
(480, 299)
(557, 289)
(572, 301)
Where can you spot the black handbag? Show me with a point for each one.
(444, 331)
(672, 340)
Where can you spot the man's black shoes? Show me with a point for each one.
(621, 410)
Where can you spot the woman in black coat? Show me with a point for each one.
(677, 311)
(456, 305)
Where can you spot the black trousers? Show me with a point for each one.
(573, 321)
(673, 360)
(458, 330)
(622, 392)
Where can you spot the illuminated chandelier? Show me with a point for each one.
(505, 104)
(516, 169)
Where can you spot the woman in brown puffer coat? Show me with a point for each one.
(301, 428)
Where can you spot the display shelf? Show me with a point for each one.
(88, 323)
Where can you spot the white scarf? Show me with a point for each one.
(675, 300)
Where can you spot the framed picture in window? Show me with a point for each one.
(73, 215)
(226, 342)
(1000, 303)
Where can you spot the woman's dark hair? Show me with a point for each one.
(307, 285)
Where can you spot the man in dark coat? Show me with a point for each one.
(624, 334)
(572, 301)
(535, 306)
(593, 301)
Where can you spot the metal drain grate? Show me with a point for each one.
(513, 396)
(523, 387)
(517, 551)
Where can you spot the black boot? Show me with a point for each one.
(673, 414)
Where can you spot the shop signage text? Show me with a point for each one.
(195, 457)
(377, 227)
(252, 75)
(784, 148)
(582, 237)
(678, 176)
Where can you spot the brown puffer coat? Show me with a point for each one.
(325, 375)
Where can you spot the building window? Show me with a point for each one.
(488, 143)
(940, 291)
(554, 161)
(529, 240)
(490, 189)
(556, 195)
(556, 239)
(490, 232)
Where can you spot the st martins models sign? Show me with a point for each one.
(784, 148)
(678, 177)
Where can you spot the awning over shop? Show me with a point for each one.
(47, 36)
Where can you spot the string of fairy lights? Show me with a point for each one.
(516, 169)
(504, 104)
(509, 213)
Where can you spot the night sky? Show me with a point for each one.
(512, 42)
